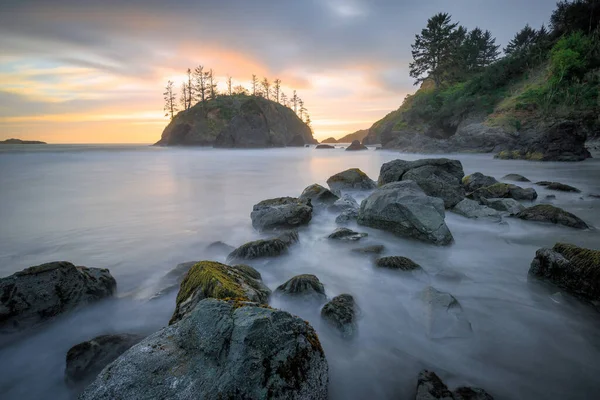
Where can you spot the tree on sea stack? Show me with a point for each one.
(254, 84)
(170, 98)
(266, 87)
(190, 91)
(229, 89)
(200, 80)
(183, 99)
(276, 89)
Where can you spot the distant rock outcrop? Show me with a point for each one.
(330, 140)
(237, 121)
(19, 141)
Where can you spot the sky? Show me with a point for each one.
(89, 71)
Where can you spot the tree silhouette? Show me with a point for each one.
(266, 85)
(276, 89)
(295, 102)
(183, 99)
(301, 110)
(229, 88)
(522, 40)
(189, 89)
(254, 84)
(170, 96)
(239, 89)
(200, 79)
(212, 84)
(284, 99)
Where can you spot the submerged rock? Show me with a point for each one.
(85, 360)
(341, 313)
(346, 217)
(509, 205)
(222, 350)
(346, 234)
(438, 177)
(397, 262)
(444, 315)
(374, 249)
(346, 202)
(218, 248)
(264, 247)
(305, 285)
(515, 177)
(38, 294)
(472, 209)
(209, 279)
(318, 195)
(552, 214)
(349, 180)
(558, 186)
(477, 180)
(324, 146)
(431, 387)
(575, 269)
(505, 190)
(356, 145)
(281, 213)
(405, 210)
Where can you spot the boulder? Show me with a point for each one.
(405, 210)
(505, 190)
(444, 315)
(171, 280)
(346, 217)
(374, 249)
(349, 180)
(318, 195)
(264, 247)
(341, 313)
(324, 146)
(558, 186)
(509, 205)
(431, 387)
(472, 209)
(222, 350)
(85, 360)
(281, 213)
(515, 177)
(305, 285)
(209, 279)
(477, 180)
(397, 262)
(550, 213)
(346, 202)
(38, 294)
(356, 145)
(575, 269)
(218, 248)
(346, 235)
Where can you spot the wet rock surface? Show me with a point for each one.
(510, 206)
(505, 190)
(306, 286)
(472, 209)
(551, 214)
(319, 195)
(281, 213)
(374, 249)
(264, 247)
(561, 187)
(444, 316)
(431, 387)
(515, 177)
(352, 179)
(477, 180)
(397, 262)
(346, 234)
(341, 313)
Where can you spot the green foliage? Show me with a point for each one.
(570, 58)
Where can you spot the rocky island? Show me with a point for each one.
(19, 141)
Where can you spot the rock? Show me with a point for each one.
(558, 186)
(550, 197)
(575, 269)
(431, 387)
(594, 196)
(374, 249)
(515, 177)
(504, 190)
(19, 141)
(509, 205)
(444, 314)
(324, 146)
(397, 262)
(341, 313)
(356, 145)
(209, 279)
(438, 177)
(477, 180)
(264, 248)
(172, 279)
(346, 202)
(330, 140)
(281, 213)
(318, 195)
(350, 179)
(346, 216)
(218, 248)
(346, 234)
(405, 210)
(38, 294)
(223, 350)
(555, 215)
(237, 121)
(305, 285)
(472, 209)
(85, 360)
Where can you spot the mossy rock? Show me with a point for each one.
(210, 279)
(397, 262)
(503, 191)
(350, 179)
(552, 214)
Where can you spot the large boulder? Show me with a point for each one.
(318, 195)
(222, 350)
(209, 279)
(306, 286)
(431, 387)
(477, 180)
(405, 210)
(349, 180)
(505, 190)
(515, 177)
(561, 187)
(356, 145)
(324, 146)
(510, 206)
(346, 216)
(38, 294)
(444, 316)
(264, 247)
(237, 121)
(281, 213)
(341, 313)
(85, 360)
(575, 269)
(472, 209)
(346, 202)
(555, 215)
(438, 177)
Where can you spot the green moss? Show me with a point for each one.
(534, 156)
(583, 259)
(466, 179)
(343, 176)
(215, 280)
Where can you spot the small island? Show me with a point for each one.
(19, 141)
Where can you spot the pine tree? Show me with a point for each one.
(183, 99)
(190, 90)
(254, 84)
(284, 99)
(229, 86)
(170, 98)
(266, 85)
(212, 84)
(522, 41)
(239, 89)
(276, 89)
(200, 86)
(295, 102)
(301, 110)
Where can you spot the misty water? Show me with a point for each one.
(140, 211)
